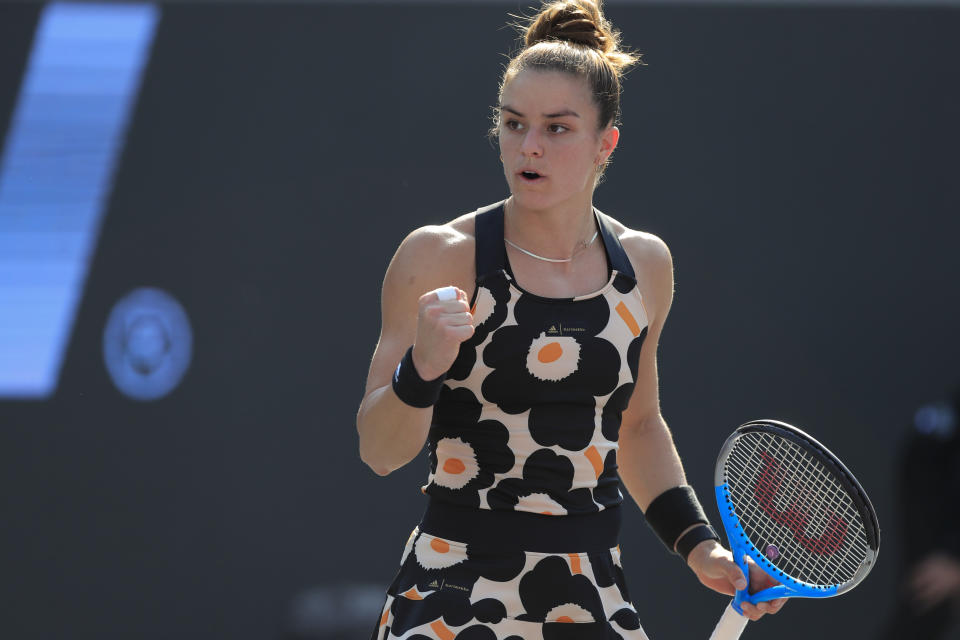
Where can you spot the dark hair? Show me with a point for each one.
(573, 36)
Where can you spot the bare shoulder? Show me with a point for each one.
(435, 256)
(437, 241)
(648, 252)
(653, 265)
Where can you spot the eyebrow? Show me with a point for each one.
(558, 114)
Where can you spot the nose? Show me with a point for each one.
(531, 146)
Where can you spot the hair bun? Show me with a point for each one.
(572, 36)
(575, 21)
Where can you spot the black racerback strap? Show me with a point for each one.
(616, 256)
(491, 256)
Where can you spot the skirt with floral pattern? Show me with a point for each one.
(448, 590)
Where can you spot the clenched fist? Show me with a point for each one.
(443, 322)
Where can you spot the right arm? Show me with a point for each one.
(392, 432)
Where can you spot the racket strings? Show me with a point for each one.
(826, 495)
(804, 543)
(788, 501)
(814, 533)
(806, 520)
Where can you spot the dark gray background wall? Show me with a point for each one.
(800, 162)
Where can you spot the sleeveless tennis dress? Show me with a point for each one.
(519, 538)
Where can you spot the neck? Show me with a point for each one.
(559, 232)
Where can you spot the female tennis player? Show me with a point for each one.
(519, 343)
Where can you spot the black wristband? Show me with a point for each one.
(673, 512)
(694, 537)
(411, 388)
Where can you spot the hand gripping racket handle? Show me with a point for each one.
(731, 625)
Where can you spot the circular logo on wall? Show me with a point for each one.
(147, 344)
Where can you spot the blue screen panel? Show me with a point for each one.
(82, 78)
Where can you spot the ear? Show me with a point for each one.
(608, 142)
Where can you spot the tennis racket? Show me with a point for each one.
(789, 504)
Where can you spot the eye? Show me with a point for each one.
(513, 125)
(557, 128)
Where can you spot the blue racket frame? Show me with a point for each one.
(741, 547)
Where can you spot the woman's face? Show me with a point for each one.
(549, 142)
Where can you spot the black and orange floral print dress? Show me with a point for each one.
(520, 536)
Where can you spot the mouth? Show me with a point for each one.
(530, 176)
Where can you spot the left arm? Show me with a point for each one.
(648, 460)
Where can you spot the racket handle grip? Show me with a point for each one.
(731, 625)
